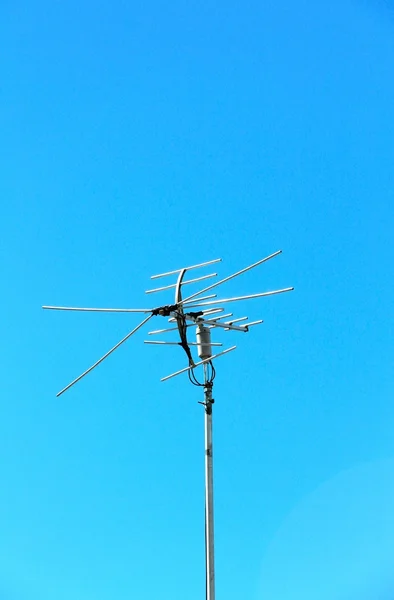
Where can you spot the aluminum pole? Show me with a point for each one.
(209, 526)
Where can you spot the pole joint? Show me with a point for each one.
(208, 401)
(208, 405)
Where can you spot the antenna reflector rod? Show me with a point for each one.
(205, 264)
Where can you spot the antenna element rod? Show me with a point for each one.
(210, 287)
(209, 262)
(104, 357)
(237, 298)
(119, 310)
(172, 285)
(197, 364)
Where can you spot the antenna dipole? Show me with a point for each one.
(193, 311)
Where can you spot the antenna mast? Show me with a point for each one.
(201, 312)
(205, 351)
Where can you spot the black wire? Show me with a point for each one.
(182, 327)
(193, 379)
(211, 374)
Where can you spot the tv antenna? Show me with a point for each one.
(205, 313)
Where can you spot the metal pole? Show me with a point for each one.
(209, 527)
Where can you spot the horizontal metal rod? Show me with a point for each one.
(119, 310)
(237, 298)
(210, 287)
(215, 324)
(165, 330)
(235, 320)
(105, 356)
(178, 343)
(168, 287)
(227, 327)
(205, 264)
(247, 325)
(202, 362)
(218, 318)
(203, 298)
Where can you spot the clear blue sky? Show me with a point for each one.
(140, 137)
